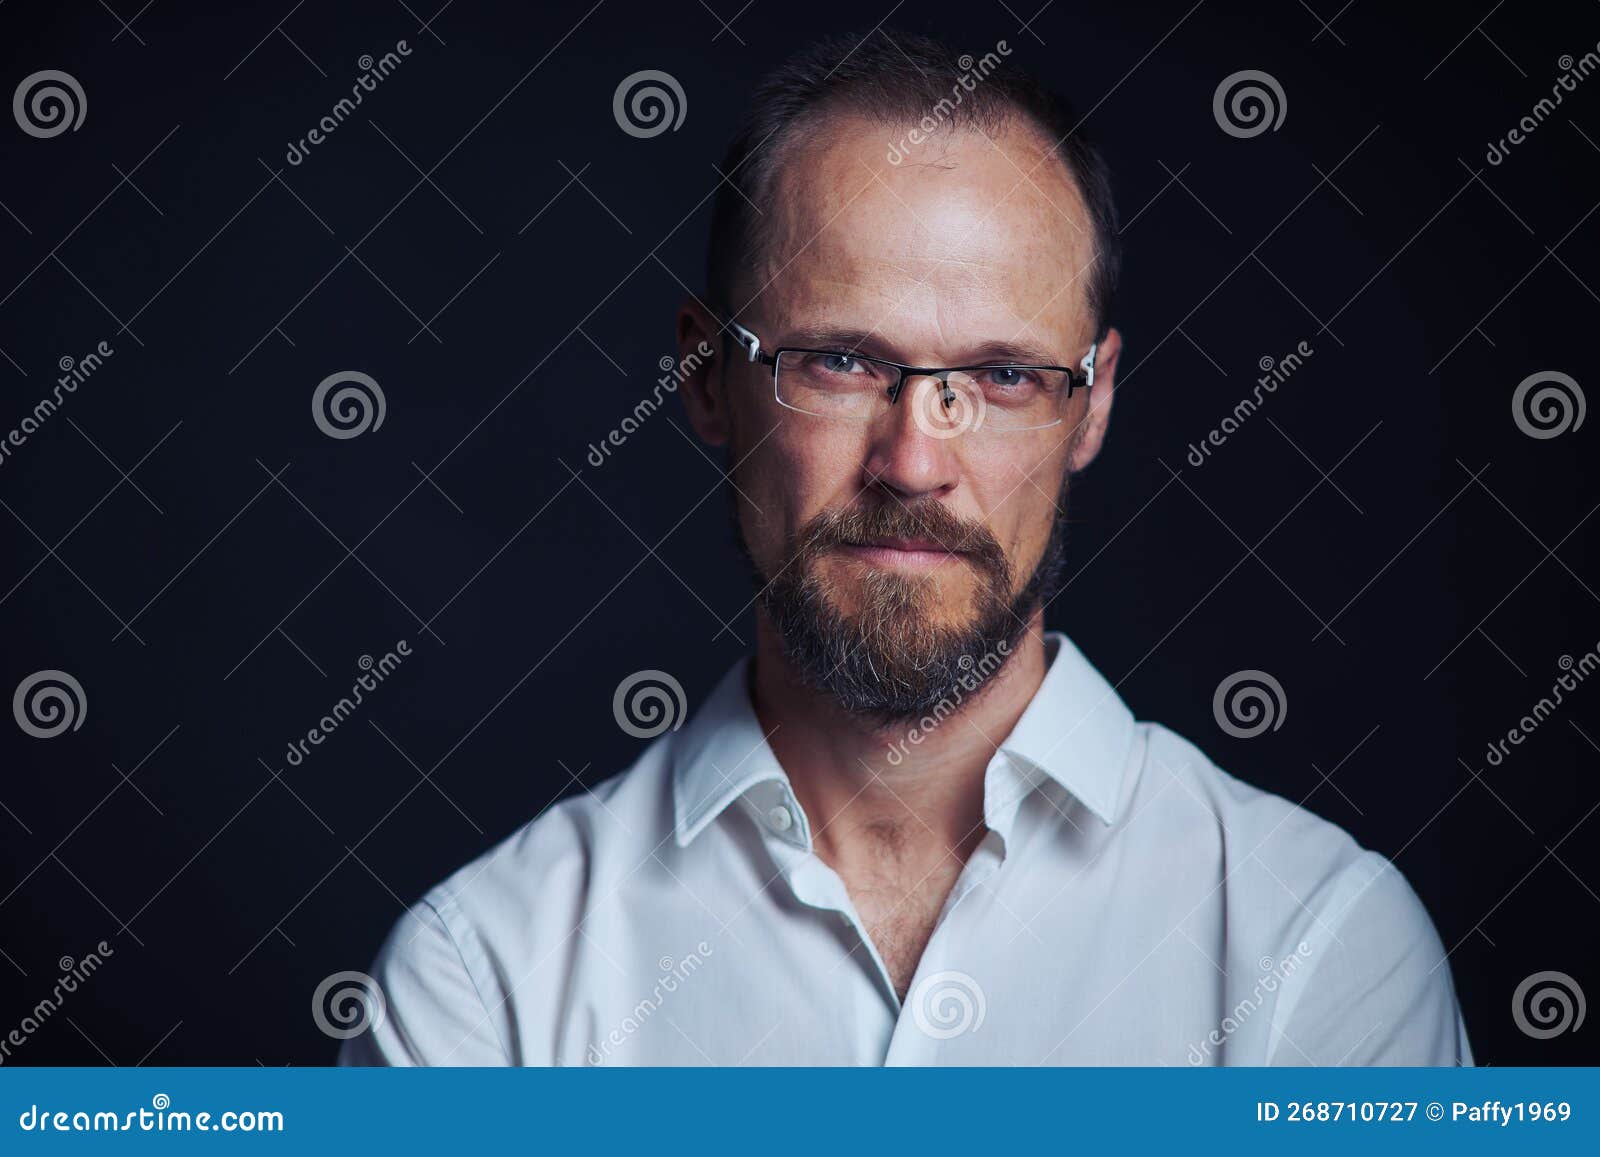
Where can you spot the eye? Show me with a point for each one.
(1009, 378)
(842, 364)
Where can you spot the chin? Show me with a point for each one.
(883, 651)
(879, 598)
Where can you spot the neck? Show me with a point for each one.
(857, 776)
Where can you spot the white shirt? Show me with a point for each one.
(1130, 904)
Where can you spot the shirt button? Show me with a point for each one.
(781, 819)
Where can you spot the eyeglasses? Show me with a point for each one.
(946, 401)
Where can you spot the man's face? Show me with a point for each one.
(886, 552)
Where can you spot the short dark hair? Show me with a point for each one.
(896, 78)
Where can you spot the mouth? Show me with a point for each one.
(905, 553)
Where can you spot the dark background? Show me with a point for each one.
(1381, 537)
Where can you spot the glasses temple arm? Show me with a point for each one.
(750, 342)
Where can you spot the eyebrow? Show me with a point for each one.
(868, 343)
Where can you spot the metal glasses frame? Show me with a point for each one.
(1083, 376)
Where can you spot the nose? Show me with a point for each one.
(902, 456)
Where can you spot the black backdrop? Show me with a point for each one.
(482, 238)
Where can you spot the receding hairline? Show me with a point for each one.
(833, 116)
(904, 79)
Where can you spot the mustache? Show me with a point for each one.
(930, 520)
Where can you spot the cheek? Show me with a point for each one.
(1019, 492)
(792, 468)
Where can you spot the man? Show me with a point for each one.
(915, 828)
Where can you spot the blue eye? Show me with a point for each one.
(1010, 378)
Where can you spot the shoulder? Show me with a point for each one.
(1285, 855)
(570, 846)
(487, 940)
(1372, 983)
(1246, 830)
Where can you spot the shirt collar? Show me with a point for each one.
(720, 756)
(1076, 731)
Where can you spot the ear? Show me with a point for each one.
(702, 387)
(1100, 396)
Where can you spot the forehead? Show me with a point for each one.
(974, 235)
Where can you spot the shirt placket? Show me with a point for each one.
(955, 963)
(859, 972)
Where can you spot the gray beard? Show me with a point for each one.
(887, 663)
